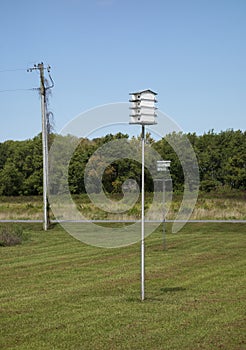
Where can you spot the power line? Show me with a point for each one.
(12, 70)
(13, 90)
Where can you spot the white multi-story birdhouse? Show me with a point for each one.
(163, 165)
(143, 110)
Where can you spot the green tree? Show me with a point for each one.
(10, 180)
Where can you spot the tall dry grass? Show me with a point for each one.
(207, 207)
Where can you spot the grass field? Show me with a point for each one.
(228, 205)
(58, 293)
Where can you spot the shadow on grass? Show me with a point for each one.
(157, 297)
(163, 291)
(53, 226)
(172, 289)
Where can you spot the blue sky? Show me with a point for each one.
(191, 52)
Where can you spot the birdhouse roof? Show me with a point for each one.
(140, 92)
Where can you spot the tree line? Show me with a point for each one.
(221, 159)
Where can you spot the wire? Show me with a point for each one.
(12, 90)
(52, 82)
(11, 70)
(31, 69)
(14, 70)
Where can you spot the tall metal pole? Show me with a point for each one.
(142, 221)
(143, 113)
(45, 148)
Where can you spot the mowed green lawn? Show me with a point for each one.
(58, 293)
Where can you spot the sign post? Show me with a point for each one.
(163, 165)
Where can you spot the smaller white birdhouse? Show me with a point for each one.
(163, 165)
(143, 109)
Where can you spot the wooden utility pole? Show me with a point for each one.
(40, 67)
(45, 147)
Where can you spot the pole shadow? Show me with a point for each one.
(172, 289)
